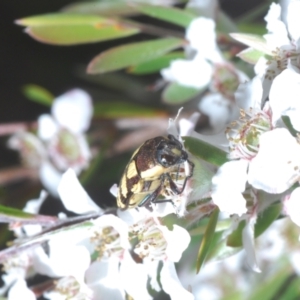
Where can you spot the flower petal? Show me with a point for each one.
(177, 241)
(228, 185)
(249, 94)
(218, 109)
(278, 34)
(19, 290)
(47, 127)
(286, 101)
(60, 261)
(73, 196)
(248, 243)
(73, 110)
(293, 19)
(50, 177)
(135, 285)
(104, 279)
(194, 73)
(203, 41)
(292, 206)
(171, 284)
(276, 166)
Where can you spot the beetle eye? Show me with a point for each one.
(167, 160)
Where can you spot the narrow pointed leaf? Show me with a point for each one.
(169, 14)
(155, 65)
(264, 220)
(103, 8)
(254, 41)
(292, 291)
(10, 215)
(115, 110)
(38, 94)
(250, 55)
(71, 29)
(269, 288)
(207, 239)
(132, 54)
(176, 94)
(205, 151)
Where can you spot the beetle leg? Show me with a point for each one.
(173, 185)
(151, 197)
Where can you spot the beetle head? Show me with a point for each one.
(170, 153)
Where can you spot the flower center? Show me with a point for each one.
(152, 243)
(279, 61)
(107, 243)
(225, 80)
(243, 135)
(67, 145)
(69, 287)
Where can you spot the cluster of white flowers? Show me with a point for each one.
(264, 153)
(60, 142)
(205, 67)
(98, 262)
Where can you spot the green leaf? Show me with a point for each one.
(268, 288)
(292, 291)
(207, 239)
(254, 41)
(221, 226)
(205, 151)
(250, 55)
(38, 94)
(221, 250)
(287, 122)
(201, 182)
(115, 110)
(264, 220)
(176, 94)
(253, 28)
(225, 24)
(132, 54)
(103, 8)
(71, 29)
(169, 14)
(156, 64)
(9, 215)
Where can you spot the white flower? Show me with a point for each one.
(284, 50)
(204, 41)
(285, 97)
(276, 167)
(172, 285)
(61, 141)
(63, 132)
(158, 243)
(194, 73)
(74, 197)
(32, 150)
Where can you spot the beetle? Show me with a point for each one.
(149, 171)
